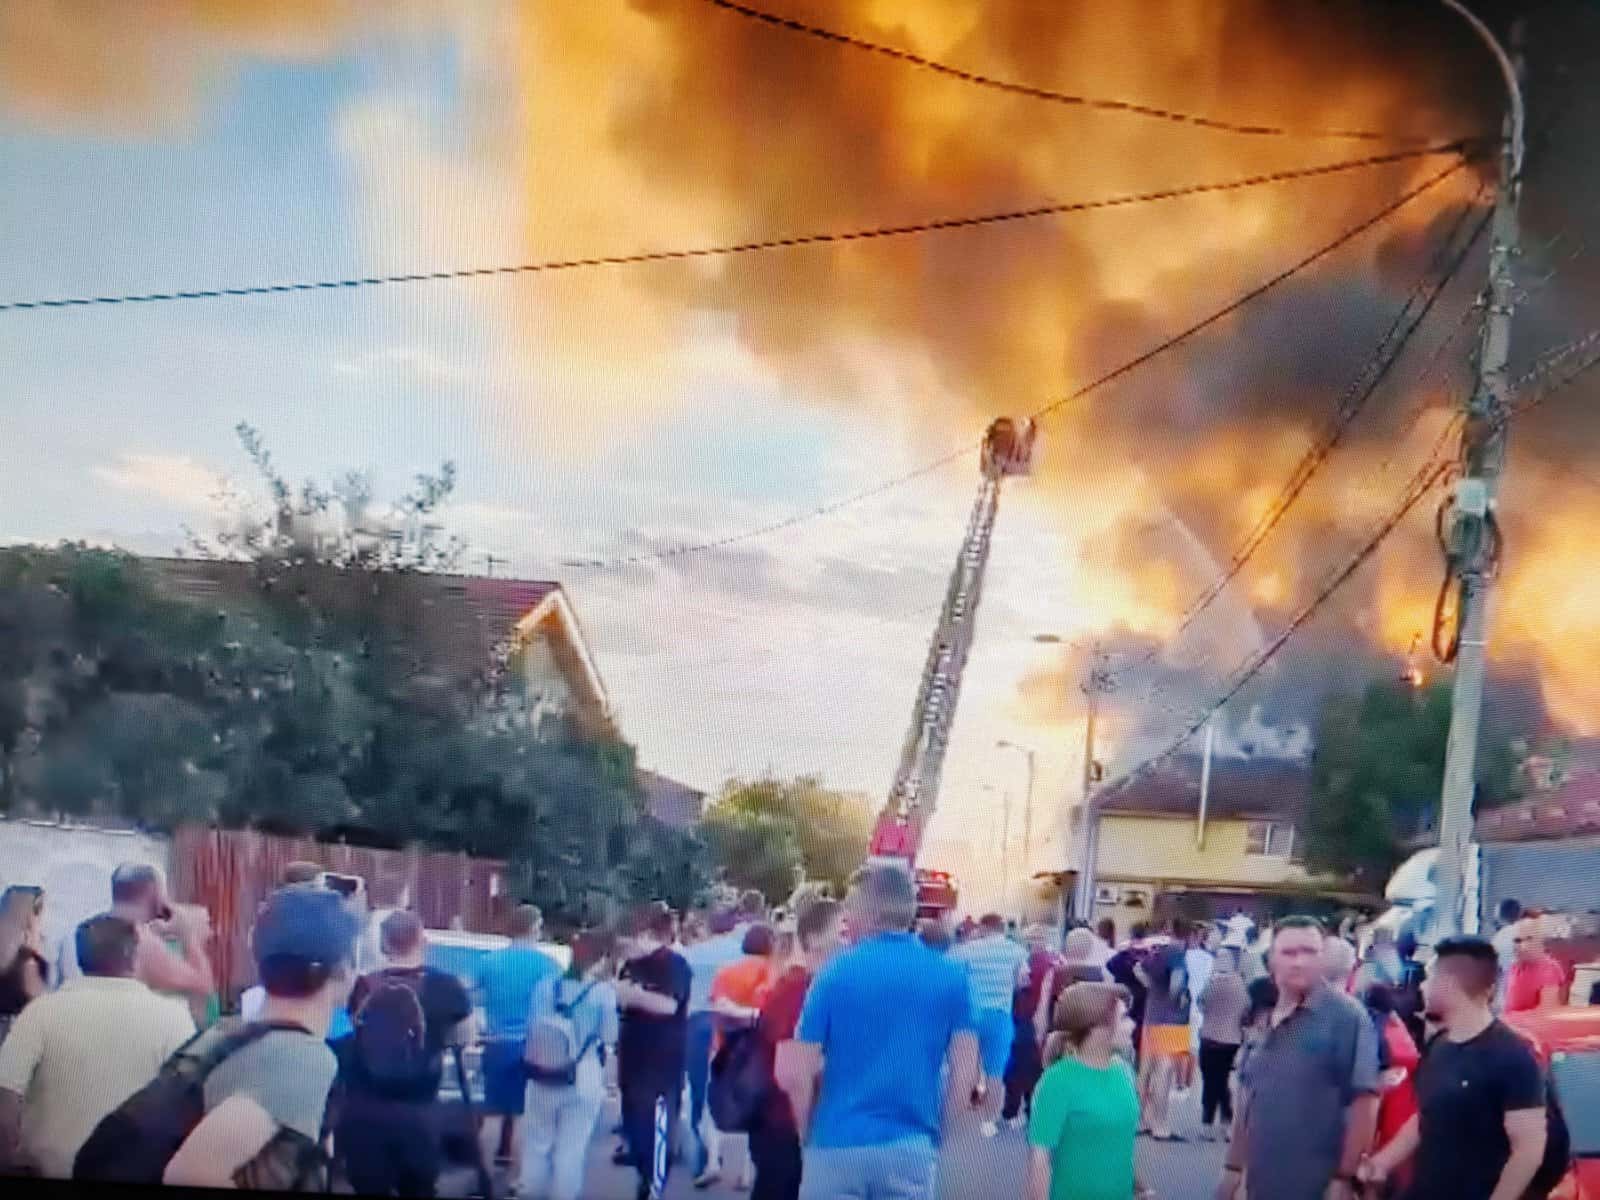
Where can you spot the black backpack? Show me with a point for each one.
(134, 1142)
(741, 1080)
(391, 1031)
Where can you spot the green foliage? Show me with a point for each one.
(754, 850)
(307, 705)
(769, 834)
(1377, 777)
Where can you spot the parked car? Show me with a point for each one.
(1567, 1041)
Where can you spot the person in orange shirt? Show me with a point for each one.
(737, 994)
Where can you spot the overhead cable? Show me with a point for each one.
(1125, 368)
(1101, 104)
(795, 241)
(1353, 403)
(1423, 482)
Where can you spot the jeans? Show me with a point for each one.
(775, 1151)
(557, 1124)
(1023, 1071)
(389, 1148)
(1216, 1064)
(702, 1025)
(899, 1171)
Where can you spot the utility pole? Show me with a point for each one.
(1473, 533)
(1027, 803)
(1098, 682)
(1005, 848)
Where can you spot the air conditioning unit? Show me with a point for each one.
(1105, 894)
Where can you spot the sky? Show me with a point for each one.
(614, 412)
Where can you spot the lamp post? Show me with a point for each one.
(1094, 686)
(1027, 802)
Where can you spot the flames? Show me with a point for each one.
(668, 122)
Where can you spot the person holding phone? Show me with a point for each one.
(171, 955)
(23, 968)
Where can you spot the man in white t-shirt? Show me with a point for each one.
(75, 1054)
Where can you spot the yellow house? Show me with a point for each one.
(1158, 856)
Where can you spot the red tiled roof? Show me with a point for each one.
(1572, 810)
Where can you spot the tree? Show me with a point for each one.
(307, 704)
(1376, 778)
(754, 850)
(829, 831)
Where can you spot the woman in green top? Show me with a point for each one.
(1086, 1108)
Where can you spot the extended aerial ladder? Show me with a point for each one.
(913, 798)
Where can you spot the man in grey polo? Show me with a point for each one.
(1310, 1086)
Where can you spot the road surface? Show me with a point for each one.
(971, 1168)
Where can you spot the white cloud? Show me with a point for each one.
(175, 479)
(406, 364)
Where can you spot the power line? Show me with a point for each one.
(1127, 367)
(1374, 372)
(1049, 95)
(1421, 484)
(796, 241)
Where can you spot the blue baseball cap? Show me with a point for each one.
(306, 923)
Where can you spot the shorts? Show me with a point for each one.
(1166, 1041)
(995, 1031)
(505, 1084)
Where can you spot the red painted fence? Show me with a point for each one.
(230, 872)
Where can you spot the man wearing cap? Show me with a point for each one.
(304, 945)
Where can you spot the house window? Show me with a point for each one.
(1270, 839)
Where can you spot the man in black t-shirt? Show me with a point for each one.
(1480, 1130)
(387, 1134)
(653, 993)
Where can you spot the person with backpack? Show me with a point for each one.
(506, 981)
(405, 1017)
(737, 994)
(77, 1053)
(244, 1107)
(1485, 1124)
(571, 1021)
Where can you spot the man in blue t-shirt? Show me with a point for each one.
(863, 1071)
(505, 984)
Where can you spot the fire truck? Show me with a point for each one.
(897, 836)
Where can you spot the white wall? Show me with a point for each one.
(73, 864)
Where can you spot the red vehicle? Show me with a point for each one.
(936, 893)
(1567, 1041)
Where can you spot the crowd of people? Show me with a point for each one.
(821, 1050)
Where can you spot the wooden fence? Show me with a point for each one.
(230, 872)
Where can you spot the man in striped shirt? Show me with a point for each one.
(996, 966)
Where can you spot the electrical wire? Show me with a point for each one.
(960, 452)
(1423, 482)
(795, 241)
(1352, 404)
(1131, 108)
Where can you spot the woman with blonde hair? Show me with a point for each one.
(22, 963)
(1086, 1108)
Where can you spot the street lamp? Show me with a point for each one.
(1005, 837)
(1027, 804)
(1098, 683)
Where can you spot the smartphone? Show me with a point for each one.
(345, 885)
